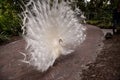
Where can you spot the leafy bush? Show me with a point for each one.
(100, 23)
(4, 37)
(9, 20)
(93, 22)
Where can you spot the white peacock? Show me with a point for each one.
(50, 29)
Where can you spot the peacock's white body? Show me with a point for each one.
(50, 30)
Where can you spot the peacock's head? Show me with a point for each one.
(57, 47)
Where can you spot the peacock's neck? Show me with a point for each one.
(57, 47)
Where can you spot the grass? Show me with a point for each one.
(100, 23)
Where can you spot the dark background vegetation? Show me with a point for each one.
(9, 20)
(97, 12)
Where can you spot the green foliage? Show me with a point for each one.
(93, 22)
(101, 17)
(103, 14)
(98, 12)
(4, 37)
(100, 23)
(9, 20)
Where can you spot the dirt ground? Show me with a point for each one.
(12, 39)
(67, 67)
(105, 67)
(107, 64)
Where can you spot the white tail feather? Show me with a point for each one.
(50, 31)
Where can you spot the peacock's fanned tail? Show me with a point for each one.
(50, 29)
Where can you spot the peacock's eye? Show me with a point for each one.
(60, 41)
